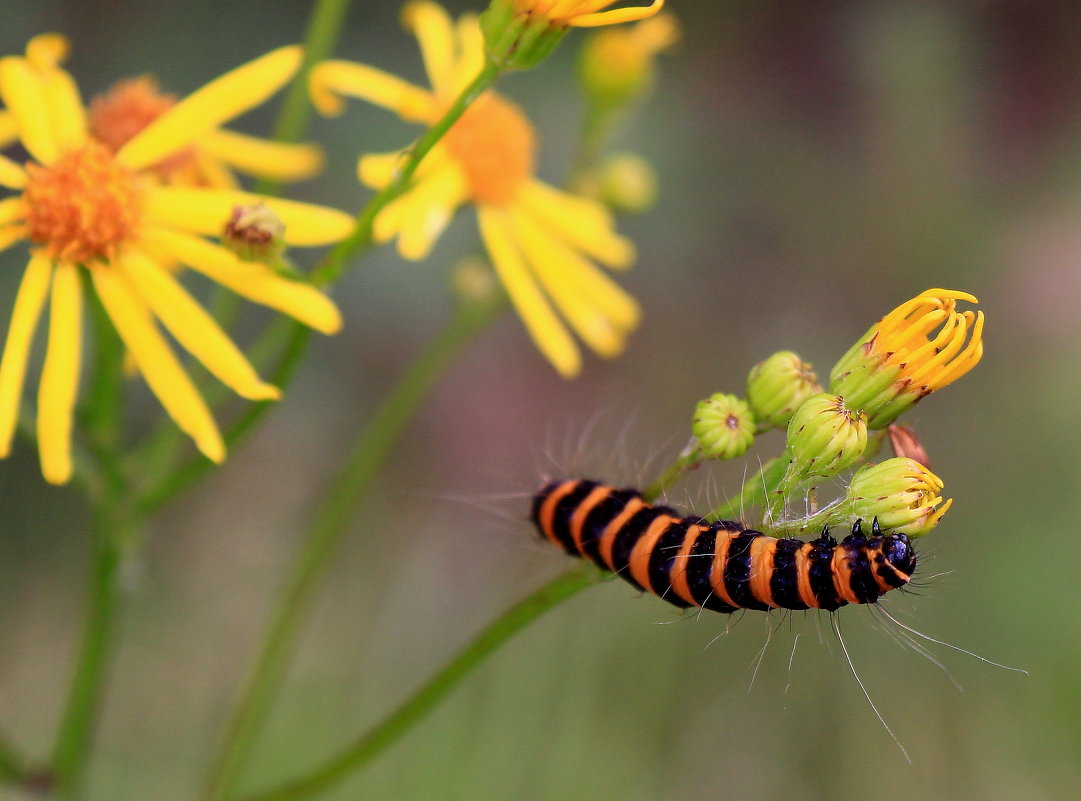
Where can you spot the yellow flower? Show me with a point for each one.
(897, 361)
(208, 160)
(583, 13)
(542, 241)
(617, 65)
(89, 214)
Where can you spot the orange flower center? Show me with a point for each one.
(493, 143)
(83, 206)
(129, 106)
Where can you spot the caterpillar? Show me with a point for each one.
(722, 566)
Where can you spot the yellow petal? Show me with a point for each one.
(60, 375)
(379, 169)
(47, 51)
(205, 109)
(194, 328)
(261, 157)
(9, 131)
(67, 116)
(434, 29)
(206, 211)
(21, 92)
(427, 210)
(329, 79)
(616, 15)
(11, 209)
(582, 222)
(578, 290)
(540, 321)
(12, 175)
(11, 234)
(156, 362)
(210, 172)
(256, 282)
(470, 54)
(24, 319)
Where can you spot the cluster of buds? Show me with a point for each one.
(919, 347)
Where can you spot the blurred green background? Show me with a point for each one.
(820, 162)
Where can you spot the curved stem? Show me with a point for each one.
(399, 722)
(322, 538)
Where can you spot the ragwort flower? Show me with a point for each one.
(88, 213)
(542, 241)
(210, 159)
(921, 346)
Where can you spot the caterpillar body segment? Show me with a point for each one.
(722, 566)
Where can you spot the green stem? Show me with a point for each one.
(322, 538)
(688, 460)
(756, 490)
(112, 530)
(12, 766)
(399, 722)
(332, 266)
(321, 37)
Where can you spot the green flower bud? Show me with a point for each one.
(515, 38)
(901, 493)
(898, 361)
(723, 426)
(778, 386)
(617, 65)
(627, 183)
(825, 436)
(254, 233)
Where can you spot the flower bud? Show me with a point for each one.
(472, 281)
(825, 436)
(617, 65)
(898, 361)
(254, 233)
(723, 426)
(901, 493)
(905, 442)
(627, 183)
(778, 386)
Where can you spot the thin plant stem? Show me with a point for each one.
(12, 765)
(332, 267)
(72, 749)
(756, 489)
(425, 699)
(688, 460)
(320, 543)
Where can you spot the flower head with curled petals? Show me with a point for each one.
(84, 209)
(542, 242)
(921, 346)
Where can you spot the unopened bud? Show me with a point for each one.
(254, 233)
(617, 64)
(778, 386)
(901, 493)
(627, 183)
(825, 436)
(723, 426)
(472, 281)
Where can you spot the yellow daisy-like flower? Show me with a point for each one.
(542, 241)
(921, 346)
(89, 213)
(583, 13)
(130, 105)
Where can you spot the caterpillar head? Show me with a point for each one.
(899, 553)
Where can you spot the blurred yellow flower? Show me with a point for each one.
(583, 13)
(88, 213)
(541, 240)
(208, 160)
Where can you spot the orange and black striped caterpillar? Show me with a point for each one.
(722, 566)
